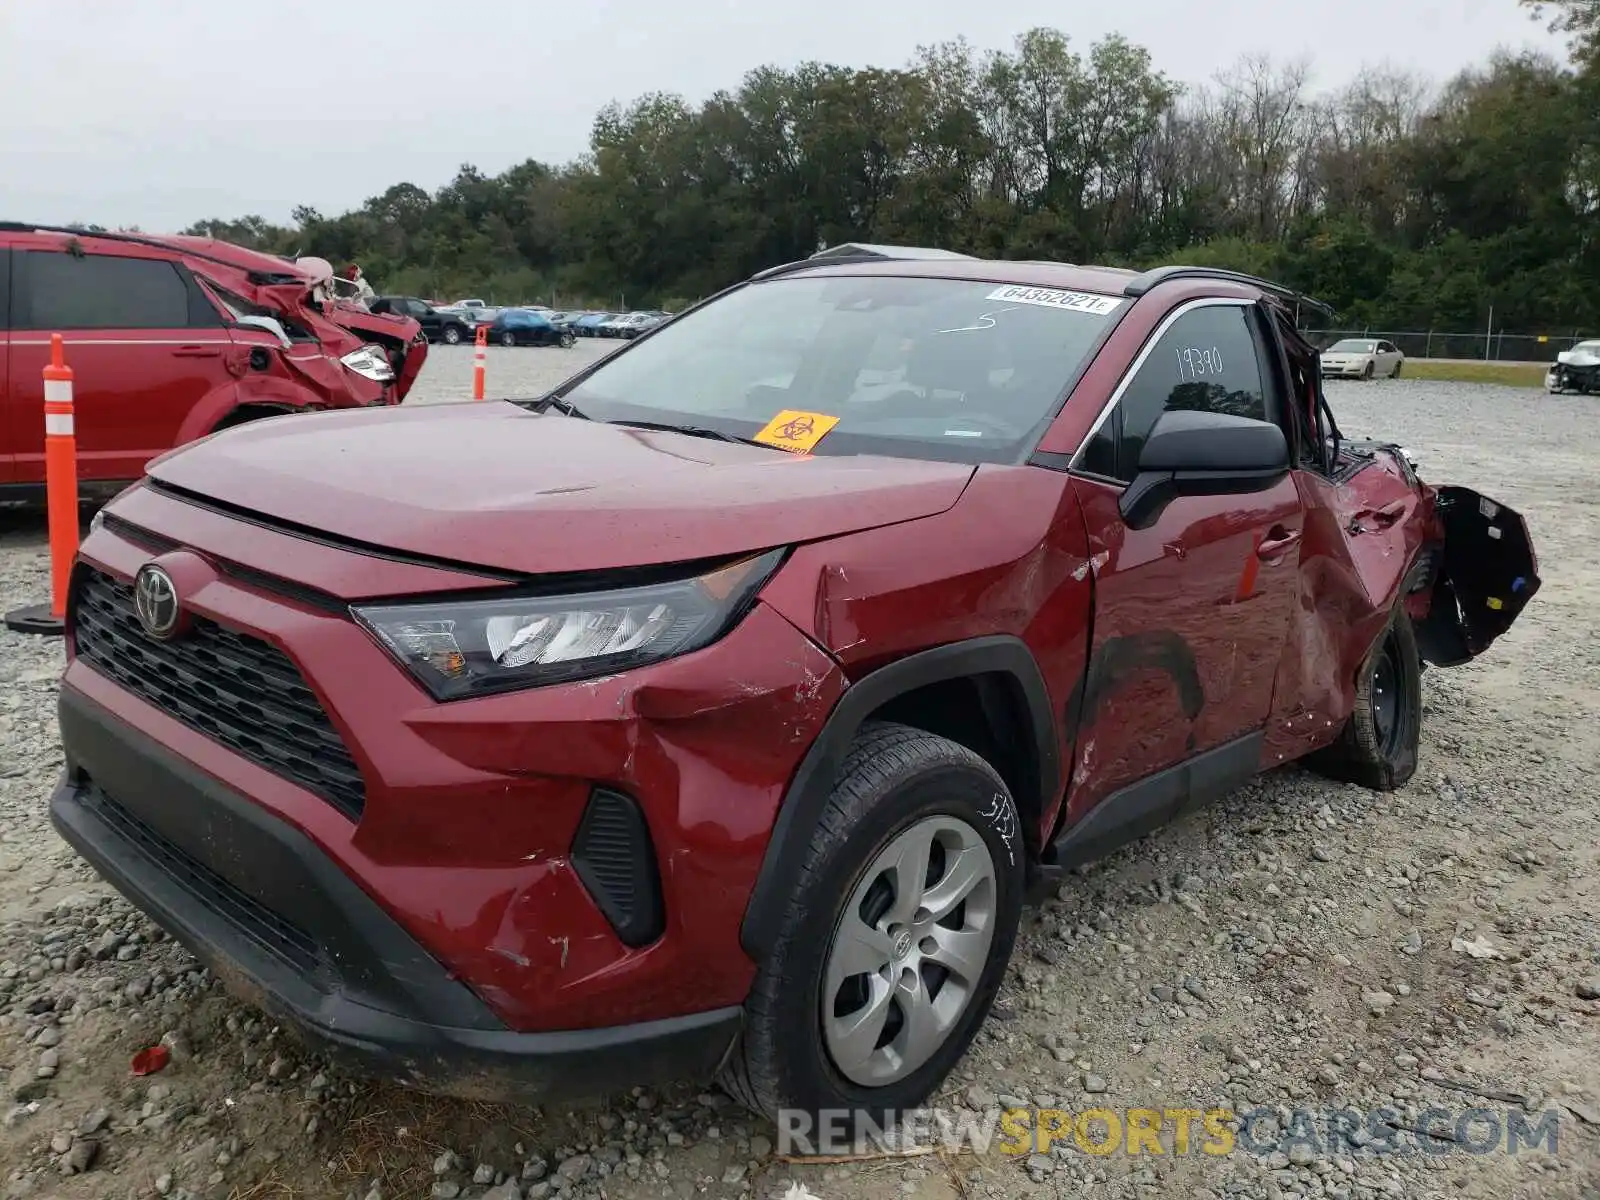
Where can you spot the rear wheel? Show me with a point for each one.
(1396, 372)
(896, 938)
(1378, 745)
(566, 339)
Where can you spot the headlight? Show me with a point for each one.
(481, 646)
(370, 362)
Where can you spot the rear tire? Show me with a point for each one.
(828, 1025)
(566, 340)
(1396, 374)
(1378, 746)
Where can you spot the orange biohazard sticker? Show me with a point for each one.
(797, 431)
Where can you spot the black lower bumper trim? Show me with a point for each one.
(284, 928)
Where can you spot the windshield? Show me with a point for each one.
(923, 368)
(1351, 346)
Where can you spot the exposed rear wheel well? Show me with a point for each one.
(250, 412)
(988, 715)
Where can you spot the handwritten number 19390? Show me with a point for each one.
(1198, 362)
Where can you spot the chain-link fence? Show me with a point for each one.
(1494, 347)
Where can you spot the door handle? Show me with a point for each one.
(1277, 543)
(198, 352)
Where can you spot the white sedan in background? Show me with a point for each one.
(1362, 358)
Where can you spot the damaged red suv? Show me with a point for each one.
(172, 338)
(716, 711)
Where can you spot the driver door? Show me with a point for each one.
(1190, 613)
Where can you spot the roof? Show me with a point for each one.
(1108, 281)
(860, 258)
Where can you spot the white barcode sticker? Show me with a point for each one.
(1487, 507)
(1084, 302)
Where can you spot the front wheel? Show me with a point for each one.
(1366, 371)
(566, 341)
(1378, 746)
(452, 335)
(508, 338)
(896, 938)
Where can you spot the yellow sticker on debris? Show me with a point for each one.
(795, 430)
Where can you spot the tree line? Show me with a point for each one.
(1403, 204)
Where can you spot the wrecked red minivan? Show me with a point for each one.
(715, 711)
(172, 338)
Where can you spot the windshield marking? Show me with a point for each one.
(979, 324)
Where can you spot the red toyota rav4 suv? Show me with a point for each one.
(170, 338)
(716, 710)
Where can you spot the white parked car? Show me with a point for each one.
(1362, 358)
(1577, 369)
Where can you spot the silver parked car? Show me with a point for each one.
(1362, 358)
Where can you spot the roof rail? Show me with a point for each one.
(847, 253)
(807, 264)
(1143, 283)
(256, 277)
(881, 250)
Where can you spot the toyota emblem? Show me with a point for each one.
(155, 599)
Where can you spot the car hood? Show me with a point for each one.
(1578, 358)
(494, 485)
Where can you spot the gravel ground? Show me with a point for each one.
(1302, 945)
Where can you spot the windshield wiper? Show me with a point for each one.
(554, 400)
(701, 431)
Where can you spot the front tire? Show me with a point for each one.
(567, 340)
(1366, 372)
(896, 939)
(1378, 746)
(452, 335)
(507, 338)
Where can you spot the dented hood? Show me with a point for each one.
(497, 486)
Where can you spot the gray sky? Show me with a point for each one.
(161, 112)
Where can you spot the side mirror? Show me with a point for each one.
(1203, 454)
(271, 324)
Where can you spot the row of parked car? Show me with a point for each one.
(515, 325)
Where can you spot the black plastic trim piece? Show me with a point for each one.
(1050, 460)
(615, 859)
(808, 792)
(1146, 805)
(1141, 284)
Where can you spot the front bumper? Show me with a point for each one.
(464, 823)
(1343, 370)
(260, 904)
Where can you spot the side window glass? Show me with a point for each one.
(1206, 361)
(99, 291)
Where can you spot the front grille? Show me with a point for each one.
(281, 938)
(237, 689)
